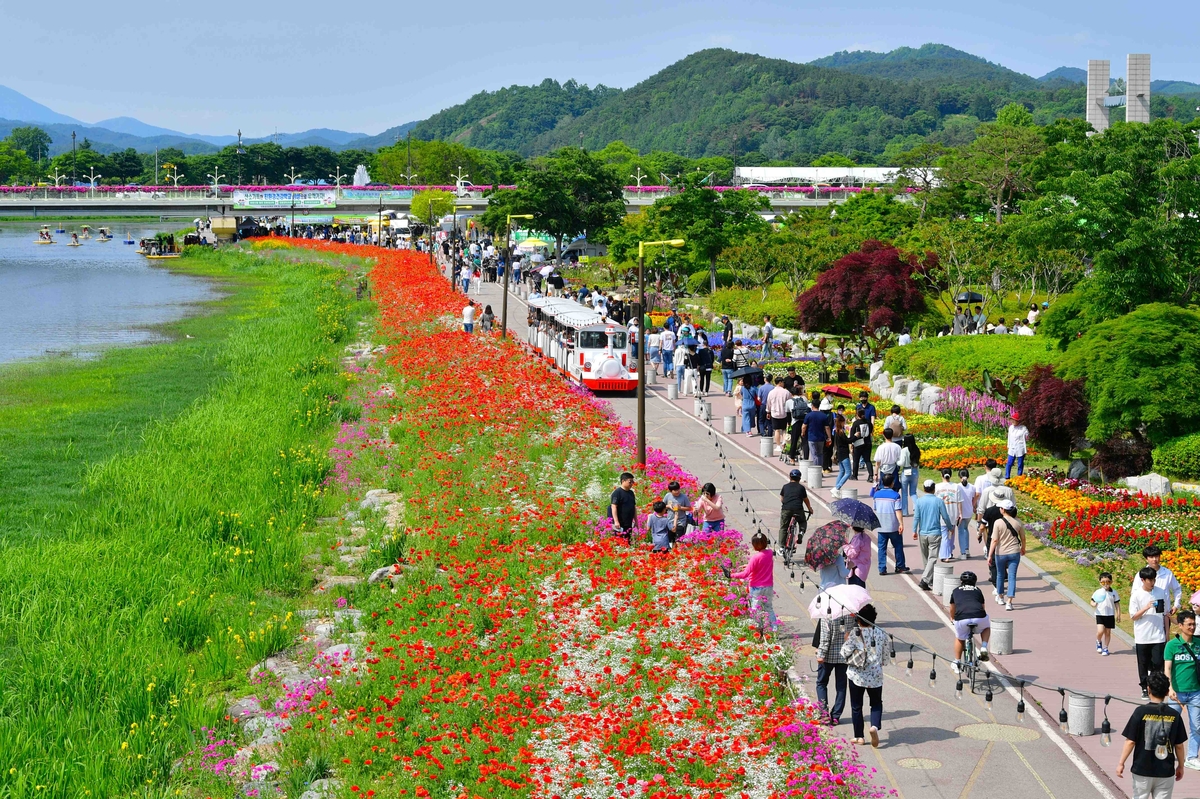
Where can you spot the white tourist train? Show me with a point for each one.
(586, 346)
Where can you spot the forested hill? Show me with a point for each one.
(723, 103)
(930, 63)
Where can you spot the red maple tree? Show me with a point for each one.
(873, 287)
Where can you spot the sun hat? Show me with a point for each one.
(1016, 417)
(997, 473)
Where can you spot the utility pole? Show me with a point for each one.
(239, 157)
(155, 166)
(72, 157)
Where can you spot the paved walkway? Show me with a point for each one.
(932, 744)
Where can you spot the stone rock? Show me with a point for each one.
(380, 574)
(876, 368)
(335, 580)
(321, 789)
(353, 615)
(1078, 470)
(285, 669)
(1153, 484)
(931, 398)
(881, 384)
(900, 387)
(246, 708)
(750, 331)
(377, 497)
(1095, 476)
(265, 730)
(915, 387)
(786, 338)
(340, 653)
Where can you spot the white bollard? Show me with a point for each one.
(697, 406)
(730, 424)
(1081, 714)
(849, 493)
(1001, 642)
(766, 447)
(949, 583)
(940, 572)
(814, 477)
(651, 377)
(705, 411)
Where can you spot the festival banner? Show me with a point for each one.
(254, 200)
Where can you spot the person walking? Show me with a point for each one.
(709, 509)
(861, 430)
(989, 516)
(667, 342)
(749, 399)
(1164, 578)
(654, 349)
(831, 663)
(929, 519)
(1183, 668)
(887, 459)
(896, 423)
(951, 496)
(1008, 545)
(967, 513)
(1147, 611)
(818, 430)
(1107, 603)
(841, 454)
(858, 557)
(487, 319)
(768, 335)
(865, 652)
(777, 400)
(1018, 438)
(622, 508)
(797, 408)
(763, 417)
(468, 315)
(727, 366)
(886, 503)
(726, 329)
(1155, 736)
(909, 465)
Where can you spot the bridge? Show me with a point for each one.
(181, 202)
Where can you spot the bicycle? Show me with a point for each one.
(969, 664)
(797, 527)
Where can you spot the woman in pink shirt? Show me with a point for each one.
(858, 557)
(710, 509)
(760, 571)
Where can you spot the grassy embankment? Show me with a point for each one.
(151, 504)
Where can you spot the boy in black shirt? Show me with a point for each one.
(794, 499)
(622, 508)
(1155, 736)
(966, 608)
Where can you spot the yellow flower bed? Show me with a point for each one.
(1061, 499)
(1186, 565)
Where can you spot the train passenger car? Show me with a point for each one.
(589, 348)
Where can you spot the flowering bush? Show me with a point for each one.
(962, 457)
(1186, 565)
(1049, 493)
(526, 652)
(978, 411)
(1131, 524)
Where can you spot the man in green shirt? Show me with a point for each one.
(1180, 661)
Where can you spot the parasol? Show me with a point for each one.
(837, 391)
(855, 513)
(969, 297)
(747, 371)
(825, 544)
(838, 600)
(545, 271)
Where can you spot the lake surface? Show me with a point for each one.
(56, 299)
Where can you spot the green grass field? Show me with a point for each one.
(151, 505)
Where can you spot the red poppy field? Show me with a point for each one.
(521, 651)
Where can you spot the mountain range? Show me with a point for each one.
(713, 102)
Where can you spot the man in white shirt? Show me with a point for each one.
(667, 343)
(1025, 330)
(1164, 578)
(951, 496)
(969, 496)
(777, 409)
(1148, 612)
(1018, 436)
(887, 455)
(469, 317)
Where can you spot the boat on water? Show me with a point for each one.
(104, 234)
(160, 248)
(85, 231)
(60, 230)
(44, 236)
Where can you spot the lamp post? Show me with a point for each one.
(239, 157)
(641, 362)
(508, 271)
(72, 158)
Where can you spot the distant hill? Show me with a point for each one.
(1173, 87)
(107, 141)
(1068, 74)
(14, 105)
(385, 139)
(930, 63)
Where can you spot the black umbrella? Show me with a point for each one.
(747, 371)
(969, 296)
(855, 513)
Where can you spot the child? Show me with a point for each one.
(1147, 611)
(660, 528)
(760, 572)
(681, 509)
(1108, 610)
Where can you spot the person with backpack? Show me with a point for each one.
(1183, 668)
(1155, 736)
(865, 652)
(860, 441)
(797, 409)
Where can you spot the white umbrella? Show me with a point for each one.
(838, 600)
(546, 270)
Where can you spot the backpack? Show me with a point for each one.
(800, 409)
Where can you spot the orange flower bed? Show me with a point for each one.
(1061, 499)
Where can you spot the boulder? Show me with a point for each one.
(380, 574)
(931, 398)
(321, 789)
(881, 384)
(900, 388)
(915, 387)
(750, 331)
(1153, 484)
(876, 368)
(1078, 470)
(377, 497)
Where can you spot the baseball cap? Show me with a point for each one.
(929, 484)
(794, 474)
(1006, 504)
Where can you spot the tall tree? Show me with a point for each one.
(917, 171)
(33, 140)
(710, 221)
(124, 165)
(14, 163)
(997, 164)
(569, 193)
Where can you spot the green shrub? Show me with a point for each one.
(748, 305)
(960, 360)
(1179, 457)
(698, 283)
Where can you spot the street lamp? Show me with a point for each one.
(338, 177)
(72, 158)
(291, 175)
(58, 179)
(92, 178)
(216, 182)
(239, 157)
(641, 362)
(508, 270)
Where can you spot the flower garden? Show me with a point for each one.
(521, 651)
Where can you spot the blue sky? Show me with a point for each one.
(301, 64)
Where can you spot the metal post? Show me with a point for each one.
(504, 283)
(641, 363)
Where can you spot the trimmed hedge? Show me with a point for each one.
(748, 305)
(698, 282)
(1179, 457)
(960, 360)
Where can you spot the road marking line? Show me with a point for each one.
(1036, 776)
(987, 752)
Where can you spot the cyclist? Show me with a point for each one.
(794, 499)
(966, 608)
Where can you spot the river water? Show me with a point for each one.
(57, 300)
